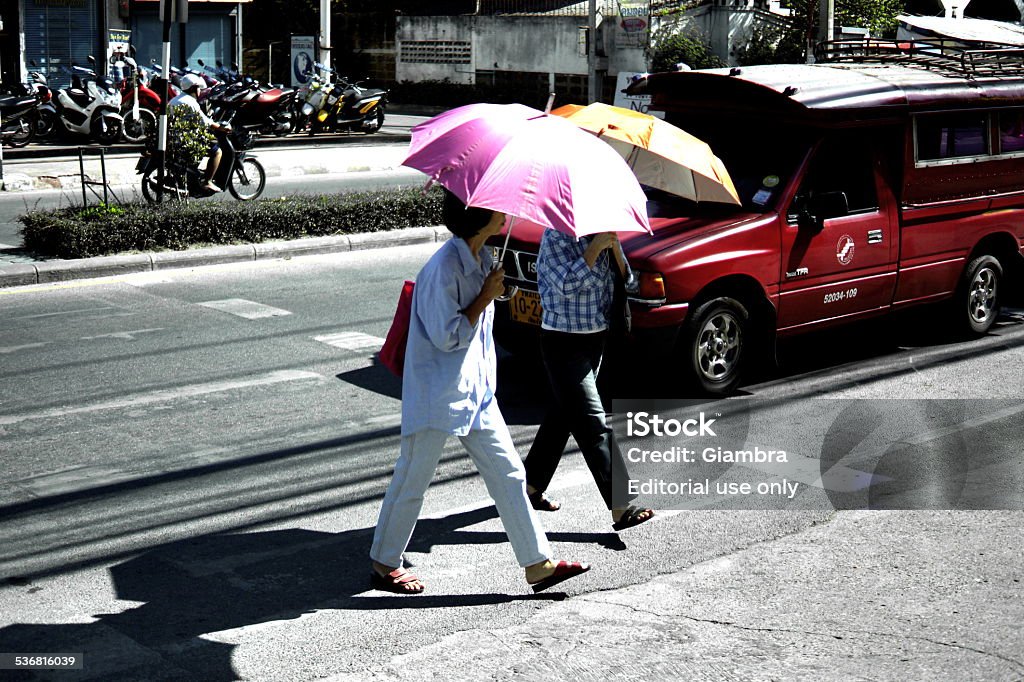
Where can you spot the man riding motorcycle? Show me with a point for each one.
(191, 85)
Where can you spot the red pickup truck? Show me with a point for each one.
(883, 176)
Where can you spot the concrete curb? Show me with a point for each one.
(25, 274)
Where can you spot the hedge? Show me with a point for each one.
(105, 230)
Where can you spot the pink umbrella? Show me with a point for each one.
(527, 164)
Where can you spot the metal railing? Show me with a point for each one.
(972, 62)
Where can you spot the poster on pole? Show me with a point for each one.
(634, 23)
(303, 49)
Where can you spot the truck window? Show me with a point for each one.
(951, 138)
(842, 163)
(1011, 131)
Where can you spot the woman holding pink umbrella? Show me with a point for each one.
(448, 387)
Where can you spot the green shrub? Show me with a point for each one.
(105, 230)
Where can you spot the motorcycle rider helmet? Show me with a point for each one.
(191, 81)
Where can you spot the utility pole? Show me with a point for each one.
(325, 36)
(593, 90)
(170, 11)
(826, 20)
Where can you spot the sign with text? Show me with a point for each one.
(820, 454)
(303, 51)
(639, 103)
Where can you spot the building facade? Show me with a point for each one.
(51, 35)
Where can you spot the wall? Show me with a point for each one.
(502, 49)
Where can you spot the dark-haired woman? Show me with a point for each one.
(448, 387)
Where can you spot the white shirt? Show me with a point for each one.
(186, 100)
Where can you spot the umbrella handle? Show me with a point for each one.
(510, 291)
(632, 282)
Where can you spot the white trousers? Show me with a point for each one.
(494, 454)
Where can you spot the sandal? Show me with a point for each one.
(541, 503)
(563, 571)
(633, 516)
(395, 581)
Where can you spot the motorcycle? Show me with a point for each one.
(313, 102)
(18, 111)
(91, 107)
(257, 109)
(242, 175)
(46, 110)
(139, 104)
(350, 108)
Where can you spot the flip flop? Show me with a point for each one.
(633, 516)
(394, 581)
(563, 571)
(541, 503)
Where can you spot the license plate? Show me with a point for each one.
(525, 307)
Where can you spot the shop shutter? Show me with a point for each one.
(60, 34)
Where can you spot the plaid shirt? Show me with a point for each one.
(574, 298)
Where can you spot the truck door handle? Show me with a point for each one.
(875, 237)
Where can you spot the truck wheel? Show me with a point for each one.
(716, 345)
(977, 299)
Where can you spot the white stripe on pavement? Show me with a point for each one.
(250, 310)
(352, 341)
(163, 396)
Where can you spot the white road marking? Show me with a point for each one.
(164, 396)
(352, 341)
(65, 312)
(250, 310)
(4, 350)
(126, 336)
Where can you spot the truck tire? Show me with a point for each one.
(978, 296)
(716, 345)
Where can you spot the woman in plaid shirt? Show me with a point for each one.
(577, 284)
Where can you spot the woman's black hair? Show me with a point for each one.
(461, 220)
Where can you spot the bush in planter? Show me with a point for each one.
(99, 231)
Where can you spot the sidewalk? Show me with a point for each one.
(27, 273)
(380, 153)
(340, 155)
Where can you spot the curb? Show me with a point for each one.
(26, 274)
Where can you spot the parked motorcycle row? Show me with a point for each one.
(106, 111)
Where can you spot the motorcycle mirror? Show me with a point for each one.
(131, 49)
(92, 60)
(234, 65)
(200, 62)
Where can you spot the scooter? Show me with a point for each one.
(91, 107)
(242, 175)
(18, 111)
(351, 108)
(314, 101)
(46, 110)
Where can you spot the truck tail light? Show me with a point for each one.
(652, 287)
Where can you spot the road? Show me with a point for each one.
(194, 461)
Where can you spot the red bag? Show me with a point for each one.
(392, 353)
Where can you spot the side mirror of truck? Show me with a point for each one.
(821, 207)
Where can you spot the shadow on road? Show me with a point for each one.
(220, 582)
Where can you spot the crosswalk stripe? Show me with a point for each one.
(351, 341)
(163, 396)
(250, 310)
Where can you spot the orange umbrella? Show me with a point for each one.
(660, 154)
